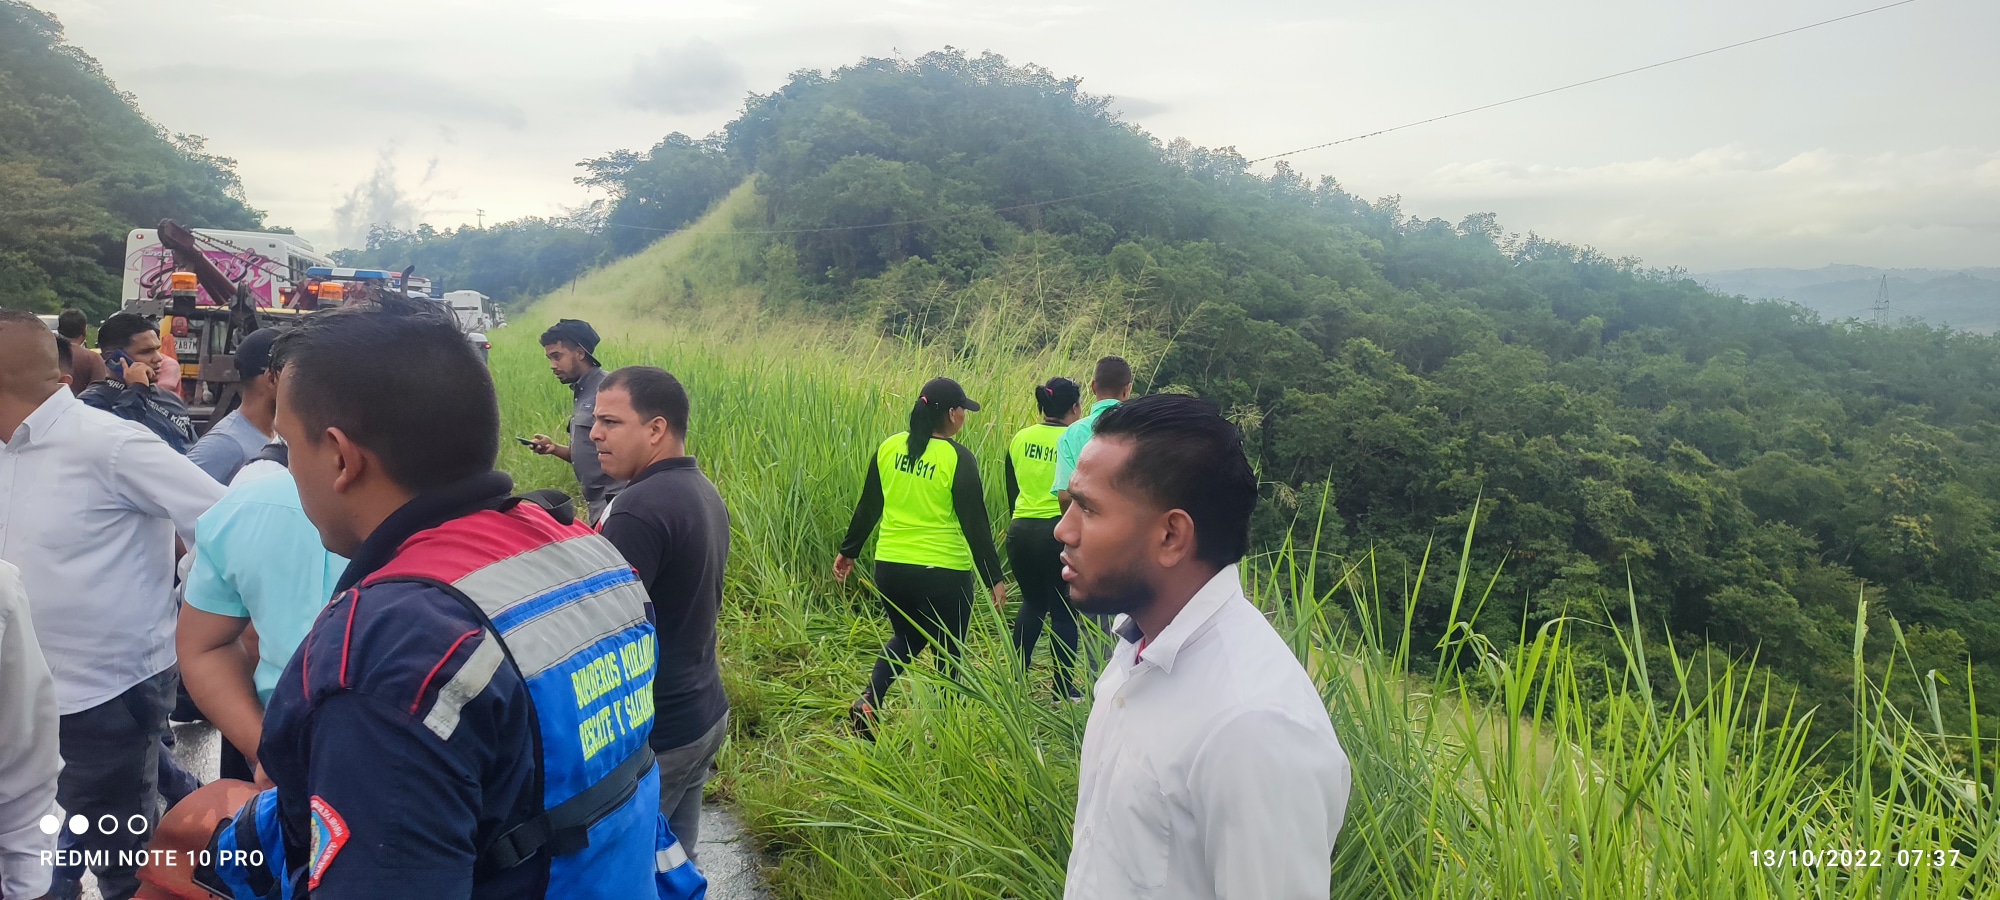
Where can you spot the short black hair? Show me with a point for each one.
(400, 380)
(1113, 373)
(655, 393)
(1186, 456)
(1057, 397)
(71, 324)
(118, 331)
(63, 357)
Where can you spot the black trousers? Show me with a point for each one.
(1037, 559)
(926, 605)
(111, 759)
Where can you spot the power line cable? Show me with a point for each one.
(1589, 81)
(1346, 140)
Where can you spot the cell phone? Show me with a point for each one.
(115, 361)
(524, 442)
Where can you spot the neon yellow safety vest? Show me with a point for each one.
(919, 524)
(1034, 456)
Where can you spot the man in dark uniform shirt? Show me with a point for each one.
(672, 526)
(570, 345)
(133, 390)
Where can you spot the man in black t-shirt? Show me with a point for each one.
(672, 526)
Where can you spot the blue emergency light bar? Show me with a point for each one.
(344, 274)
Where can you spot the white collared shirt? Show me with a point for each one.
(1210, 768)
(30, 758)
(89, 507)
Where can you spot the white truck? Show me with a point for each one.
(473, 309)
(474, 312)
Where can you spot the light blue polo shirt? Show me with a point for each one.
(1070, 445)
(257, 557)
(227, 446)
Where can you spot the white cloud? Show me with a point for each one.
(363, 95)
(695, 77)
(1815, 148)
(1728, 206)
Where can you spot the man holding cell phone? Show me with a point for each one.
(571, 345)
(131, 348)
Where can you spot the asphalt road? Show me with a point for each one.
(726, 854)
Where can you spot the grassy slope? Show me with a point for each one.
(1596, 792)
(786, 410)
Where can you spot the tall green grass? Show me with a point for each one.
(1518, 768)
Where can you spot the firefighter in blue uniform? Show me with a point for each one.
(468, 717)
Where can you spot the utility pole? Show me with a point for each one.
(481, 214)
(1882, 300)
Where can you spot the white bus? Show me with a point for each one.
(272, 264)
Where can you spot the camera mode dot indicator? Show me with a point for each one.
(78, 824)
(51, 823)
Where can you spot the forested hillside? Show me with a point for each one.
(510, 262)
(1749, 468)
(80, 166)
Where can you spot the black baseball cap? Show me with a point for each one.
(253, 355)
(574, 331)
(944, 393)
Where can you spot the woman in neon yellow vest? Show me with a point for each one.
(923, 488)
(1031, 538)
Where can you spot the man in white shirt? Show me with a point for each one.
(1210, 768)
(89, 508)
(29, 758)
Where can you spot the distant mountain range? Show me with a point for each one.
(1961, 298)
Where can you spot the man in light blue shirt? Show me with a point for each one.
(1111, 385)
(243, 433)
(258, 564)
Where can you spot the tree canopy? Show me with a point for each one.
(80, 165)
(510, 262)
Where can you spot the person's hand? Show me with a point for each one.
(1000, 596)
(841, 567)
(138, 374)
(542, 445)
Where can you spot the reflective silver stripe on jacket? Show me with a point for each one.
(671, 858)
(472, 678)
(547, 638)
(549, 603)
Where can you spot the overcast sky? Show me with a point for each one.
(1874, 141)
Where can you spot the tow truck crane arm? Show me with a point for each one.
(176, 237)
(188, 255)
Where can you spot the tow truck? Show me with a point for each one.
(177, 274)
(211, 289)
